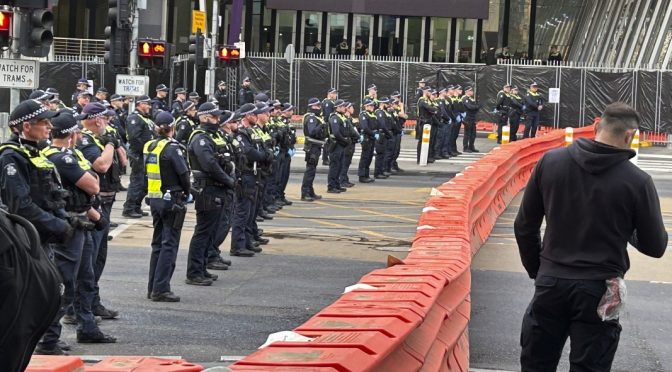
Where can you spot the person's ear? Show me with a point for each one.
(629, 137)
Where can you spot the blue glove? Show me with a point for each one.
(377, 136)
(361, 138)
(291, 152)
(276, 151)
(190, 199)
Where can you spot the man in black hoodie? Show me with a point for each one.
(595, 201)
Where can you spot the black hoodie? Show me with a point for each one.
(594, 201)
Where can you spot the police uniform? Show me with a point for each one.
(515, 114)
(74, 259)
(503, 107)
(441, 146)
(471, 108)
(315, 132)
(287, 151)
(168, 188)
(381, 146)
(369, 131)
(119, 120)
(222, 96)
(337, 142)
(73, 98)
(92, 146)
(425, 113)
(275, 129)
(390, 145)
(140, 129)
(245, 94)
(248, 154)
(532, 102)
(398, 132)
(185, 125)
(327, 109)
(211, 182)
(159, 104)
(352, 135)
(459, 114)
(177, 108)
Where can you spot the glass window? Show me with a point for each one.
(640, 37)
(440, 29)
(337, 31)
(466, 33)
(519, 28)
(362, 35)
(554, 26)
(389, 40)
(286, 24)
(311, 30)
(413, 36)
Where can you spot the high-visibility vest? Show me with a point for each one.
(81, 160)
(152, 152)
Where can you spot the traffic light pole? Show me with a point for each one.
(15, 94)
(133, 68)
(210, 83)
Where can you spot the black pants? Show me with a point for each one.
(165, 242)
(469, 134)
(514, 120)
(241, 236)
(454, 133)
(564, 308)
(433, 139)
(397, 150)
(348, 153)
(503, 120)
(100, 250)
(380, 146)
(207, 219)
(222, 231)
(137, 188)
(366, 158)
(531, 125)
(312, 159)
(335, 167)
(285, 166)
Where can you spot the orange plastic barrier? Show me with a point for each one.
(47, 363)
(416, 318)
(143, 364)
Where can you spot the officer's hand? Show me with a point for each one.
(269, 155)
(377, 136)
(276, 152)
(188, 198)
(102, 223)
(291, 152)
(229, 183)
(111, 140)
(361, 138)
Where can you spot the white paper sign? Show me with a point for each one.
(19, 73)
(554, 95)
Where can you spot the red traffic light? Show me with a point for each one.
(5, 20)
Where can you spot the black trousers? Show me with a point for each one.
(243, 211)
(312, 159)
(454, 133)
(137, 188)
(222, 231)
(564, 308)
(381, 147)
(207, 219)
(165, 242)
(469, 134)
(366, 158)
(514, 120)
(348, 153)
(335, 166)
(503, 120)
(100, 250)
(531, 125)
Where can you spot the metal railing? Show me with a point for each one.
(68, 49)
(331, 57)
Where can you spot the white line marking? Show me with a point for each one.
(230, 358)
(123, 226)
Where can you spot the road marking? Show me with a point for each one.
(657, 282)
(230, 358)
(123, 226)
(389, 215)
(339, 226)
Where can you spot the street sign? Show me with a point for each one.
(131, 85)
(554, 95)
(198, 21)
(241, 46)
(19, 73)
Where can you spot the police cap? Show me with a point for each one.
(368, 102)
(164, 119)
(64, 123)
(247, 109)
(209, 108)
(384, 100)
(161, 88)
(262, 108)
(287, 107)
(372, 87)
(116, 97)
(188, 106)
(332, 90)
(339, 103)
(261, 97)
(314, 101)
(227, 117)
(83, 81)
(29, 110)
(94, 110)
(194, 95)
(180, 91)
(142, 99)
(40, 95)
(102, 90)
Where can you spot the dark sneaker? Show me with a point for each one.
(49, 350)
(315, 196)
(64, 345)
(69, 319)
(262, 241)
(210, 276)
(255, 248)
(307, 198)
(286, 202)
(97, 337)
(105, 313)
(200, 281)
(333, 191)
(474, 150)
(165, 297)
(131, 214)
(266, 216)
(366, 180)
(259, 219)
(216, 265)
(113, 225)
(242, 253)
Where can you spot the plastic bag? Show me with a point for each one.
(613, 300)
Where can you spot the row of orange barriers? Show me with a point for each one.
(417, 316)
(44, 363)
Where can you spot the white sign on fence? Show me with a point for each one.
(19, 73)
(131, 85)
(554, 95)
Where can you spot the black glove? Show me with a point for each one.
(101, 224)
(79, 224)
(269, 155)
(108, 138)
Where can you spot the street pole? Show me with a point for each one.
(15, 94)
(210, 81)
(133, 68)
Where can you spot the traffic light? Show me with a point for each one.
(228, 56)
(120, 13)
(5, 28)
(36, 35)
(196, 44)
(154, 54)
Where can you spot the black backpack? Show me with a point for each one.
(30, 291)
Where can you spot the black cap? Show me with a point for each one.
(188, 105)
(384, 100)
(276, 104)
(64, 123)
(83, 81)
(83, 93)
(372, 86)
(29, 110)
(209, 108)
(141, 99)
(162, 88)
(426, 88)
(314, 101)
(368, 102)
(286, 107)
(442, 90)
(247, 109)
(52, 91)
(395, 94)
(194, 95)
(102, 89)
(422, 80)
(40, 95)
(94, 110)
(514, 87)
(261, 97)
(180, 91)
(221, 82)
(339, 103)
(262, 108)
(468, 88)
(458, 87)
(534, 84)
(227, 117)
(332, 90)
(116, 97)
(247, 78)
(450, 87)
(348, 104)
(164, 118)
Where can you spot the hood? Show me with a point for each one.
(595, 157)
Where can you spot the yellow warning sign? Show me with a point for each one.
(198, 21)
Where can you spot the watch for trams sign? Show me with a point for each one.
(19, 73)
(132, 85)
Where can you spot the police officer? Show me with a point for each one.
(119, 121)
(222, 95)
(515, 113)
(246, 93)
(315, 132)
(248, 154)
(471, 107)
(74, 258)
(398, 130)
(195, 98)
(186, 123)
(338, 141)
(441, 151)
(369, 135)
(29, 182)
(55, 101)
(447, 106)
(81, 86)
(382, 152)
(159, 103)
(352, 134)
(211, 182)
(503, 106)
(139, 129)
(101, 95)
(168, 187)
(265, 142)
(178, 103)
(99, 147)
(286, 146)
(425, 113)
(41, 96)
(328, 109)
(458, 114)
(373, 95)
(81, 99)
(534, 103)
(419, 91)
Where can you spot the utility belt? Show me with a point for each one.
(107, 196)
(201, 183)
(315, 141)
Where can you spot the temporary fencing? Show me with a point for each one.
(416, 318)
